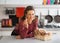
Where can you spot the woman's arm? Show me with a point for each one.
(23, 29)
(35, 23)
(16, 27)
(35, 26)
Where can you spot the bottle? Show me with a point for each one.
(10, 22)
(7, 22)
(3, 23)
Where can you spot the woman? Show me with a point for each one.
(27, 24)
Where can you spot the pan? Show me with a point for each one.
(57, 17)
(49, 17)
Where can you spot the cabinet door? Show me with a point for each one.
(20, 11)
(2, 1)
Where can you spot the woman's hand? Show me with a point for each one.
(18, 37)
(26, 23)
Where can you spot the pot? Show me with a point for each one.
(49, 17)
(56, 2)
(57, 17)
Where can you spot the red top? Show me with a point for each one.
(24, 32)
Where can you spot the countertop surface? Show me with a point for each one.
(7, 29)
(12, 39)
(12, 28)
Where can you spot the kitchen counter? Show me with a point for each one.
(6, 28)
(6, 31)
(12, 39)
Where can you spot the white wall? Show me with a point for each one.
(21, 1)
(24, 2)
(44, 11)
(2, 13)
(2, 1)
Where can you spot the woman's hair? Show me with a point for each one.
(26, 10)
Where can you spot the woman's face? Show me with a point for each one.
(30, 14)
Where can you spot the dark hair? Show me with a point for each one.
(36, 16)
(26, 10)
